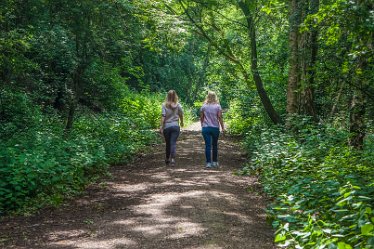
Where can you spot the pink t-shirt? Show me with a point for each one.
(211, 112)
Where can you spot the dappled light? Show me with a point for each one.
(150, 205)
(111, 111)
(97, 244)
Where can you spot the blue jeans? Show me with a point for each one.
(171, 135)
(211, 135)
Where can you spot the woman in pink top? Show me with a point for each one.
(211, 120)
(172, 113)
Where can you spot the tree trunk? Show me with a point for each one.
(337, 99)
(357, 122)
(293, 72)
(202, 74)
(82, 39)
(245, 7)
(227, 52)
(357, 108)
(308, 56)
(70, 119)
(73, 99)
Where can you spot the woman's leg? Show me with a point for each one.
(167, 133)
(208, 141)
(215, 136)
(174, 134)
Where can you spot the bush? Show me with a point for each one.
(244, 115)
(322, 189)
(17, 113)
(145, 110)
(42, 165)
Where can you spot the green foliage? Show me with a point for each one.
(107, 88)
(106, 59)
(143, 108)
(236, 121)
(39, 162)
(323, 191)
(16, 112)
(41, 165)
(245, 113)
(85, 62)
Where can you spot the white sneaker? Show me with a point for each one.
(208, 165)
(215, 164)
(172, 162)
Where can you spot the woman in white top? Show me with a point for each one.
(172, 113)
(211, 120)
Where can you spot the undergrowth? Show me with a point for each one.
(42, 165)
(322, 189)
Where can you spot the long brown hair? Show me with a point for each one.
(171, 98)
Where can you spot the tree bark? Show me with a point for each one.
(70, 118)
(308, 56)
(357, 122)
(337, 99)
(293, 72)
(245, 7)
(357, 127)
(73, 99)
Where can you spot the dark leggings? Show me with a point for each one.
(171, 135)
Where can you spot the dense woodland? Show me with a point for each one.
(82, 82)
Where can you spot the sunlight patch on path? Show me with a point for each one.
(193, 127)
(148, 205)
(97, 243)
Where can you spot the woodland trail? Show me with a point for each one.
(149, 205)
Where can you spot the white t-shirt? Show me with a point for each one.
(171, 115)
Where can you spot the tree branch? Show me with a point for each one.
(228, 53)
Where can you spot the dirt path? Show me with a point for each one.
(150, 206)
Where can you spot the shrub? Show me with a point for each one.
(322, 189)
(41, 165)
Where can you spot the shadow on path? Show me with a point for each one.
(150, 205)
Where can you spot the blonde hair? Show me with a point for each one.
(171, 98)
(211, 98)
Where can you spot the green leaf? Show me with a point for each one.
(367, 229)
(368, 210)
(343, 245)
(280, 238)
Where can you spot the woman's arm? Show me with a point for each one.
(201, 118)
(220, 119)
(163, 116)
(162, 124)
(181, 119)
(180, 114)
